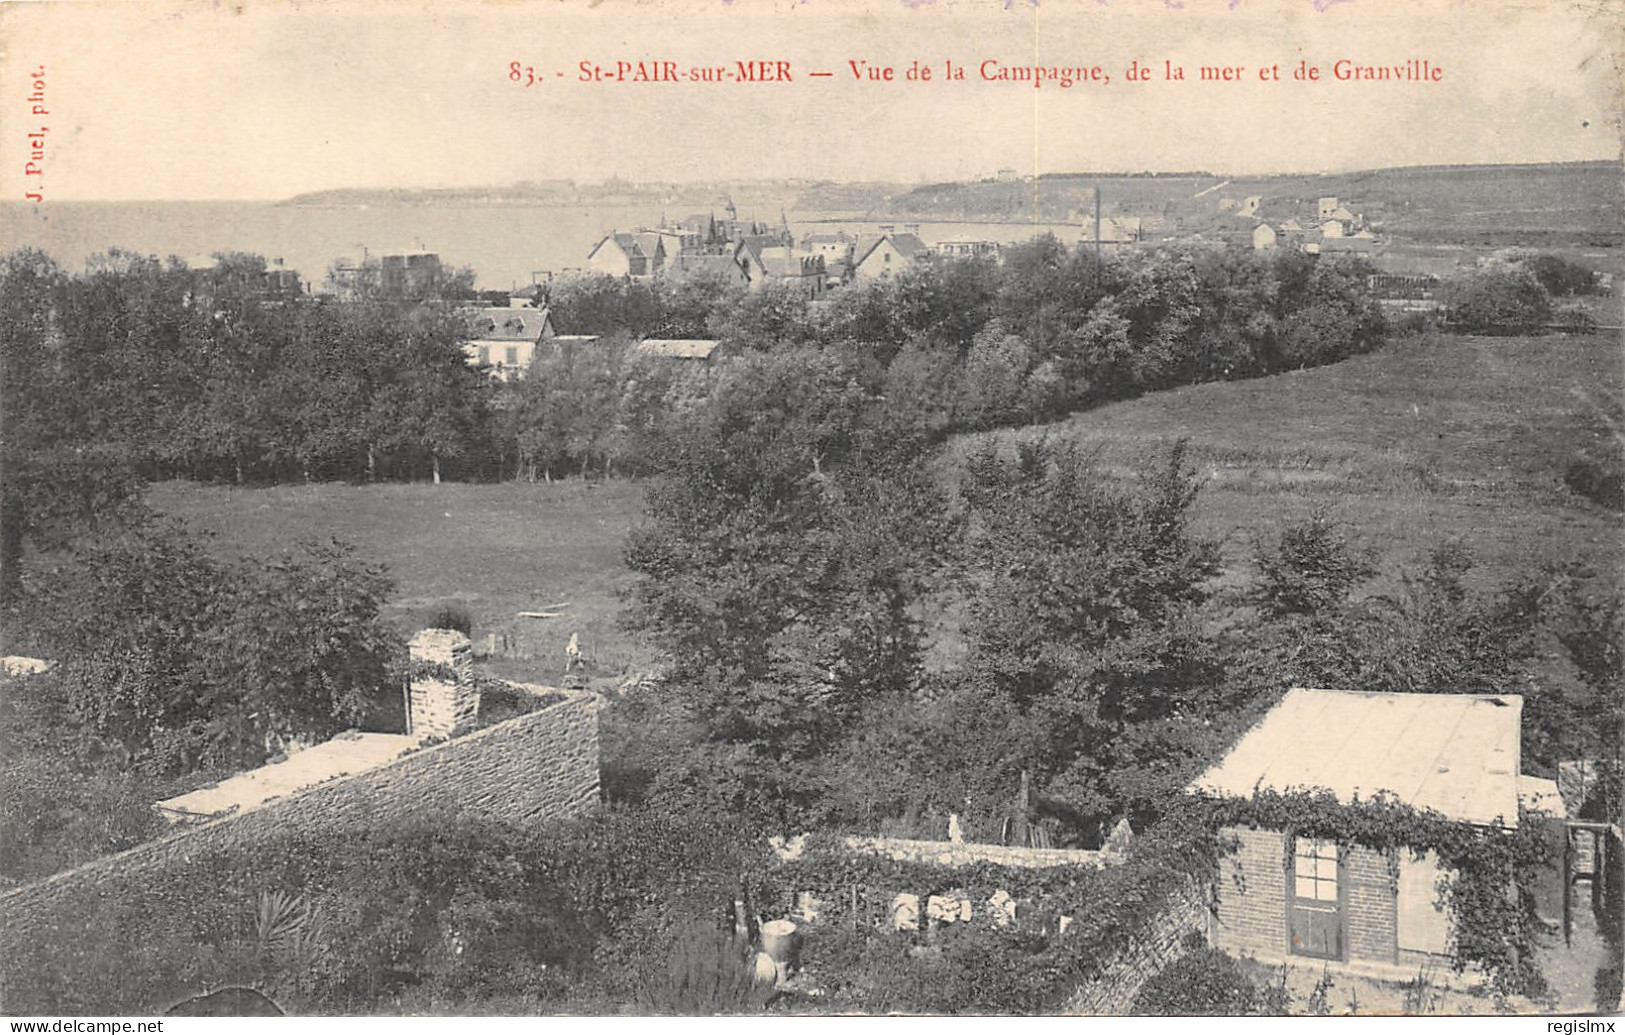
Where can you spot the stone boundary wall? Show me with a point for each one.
(1120, 980)
(965, 853)
(539, 766)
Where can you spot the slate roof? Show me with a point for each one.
(909, 245)
(1455, 753)
(508, 323)
(721, 264)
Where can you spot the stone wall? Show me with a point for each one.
(539, 766)
(964, 853)
(1112, 993)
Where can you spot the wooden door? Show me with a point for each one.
(1315, 900)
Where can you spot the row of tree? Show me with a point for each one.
(204, 374)
(951, 346)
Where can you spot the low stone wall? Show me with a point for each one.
(539, 766)
(1120, 980)
(965, 853)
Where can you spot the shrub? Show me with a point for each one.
(706, 972)
(1560, 277)
(455, 617)
(1506, 300)
(1205, 981)
(1599, 479)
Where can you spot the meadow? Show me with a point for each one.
(1431, 438)
(493, 550)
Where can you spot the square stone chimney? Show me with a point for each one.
(442, 701)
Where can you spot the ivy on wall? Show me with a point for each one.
(1490, 869)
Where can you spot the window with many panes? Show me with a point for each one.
(513, 355)
(1315, 869)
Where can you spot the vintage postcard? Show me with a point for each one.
(811, 508)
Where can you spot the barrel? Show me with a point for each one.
(779, 942)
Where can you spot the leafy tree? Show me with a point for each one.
(431, 404)
(785, 552)
(600, 304)
(993, 387)
(1503, 300)
(54, 482)
(771, 317)
(1310, 570)
(1560, 277)
(1083, 607)
(177, 661)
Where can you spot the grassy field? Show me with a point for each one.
(1428, 439)
(1463, 437)
(493, 549)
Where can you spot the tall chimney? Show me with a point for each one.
(442, 700)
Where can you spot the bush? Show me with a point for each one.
(706, 972)
(1505, 300)
(443, 910)
(1560, 277)
(455, 617)
(1203, 982)
(1599, 479)
(183, 662)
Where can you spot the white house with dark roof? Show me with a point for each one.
(507, 338)
(629, 254)
(881, 256)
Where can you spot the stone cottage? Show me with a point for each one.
(1457, 754)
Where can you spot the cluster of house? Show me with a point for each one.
(405, 274)
(751, 254)
(1333, 230)
(279, 283)
(409, 273)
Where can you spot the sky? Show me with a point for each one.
(269, 98)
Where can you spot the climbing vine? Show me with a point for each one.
(1491, 868)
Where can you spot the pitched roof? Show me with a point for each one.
(908, 245)
(722, 264)
(1454, 753)
(508, 323)
(865, 245)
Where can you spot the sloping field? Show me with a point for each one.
(1458, 436)
(494, 550)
